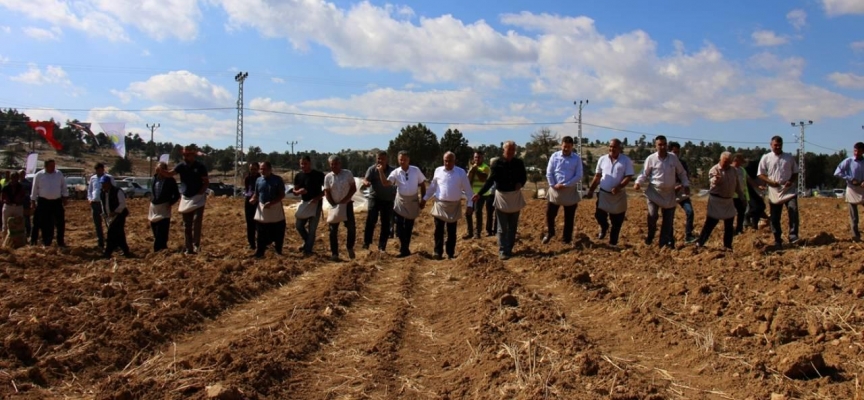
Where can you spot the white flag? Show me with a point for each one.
(116, 134)
(31, 163)
(164, 158)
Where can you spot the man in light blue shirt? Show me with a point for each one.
(563, 172)
(94, 195)
(851, 170)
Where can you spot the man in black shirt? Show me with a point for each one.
(308, 184)
(165, 194)
(380, 202)
(249, 208)
(193, 184)
(756, 210)
(509, 176)
(685, 203)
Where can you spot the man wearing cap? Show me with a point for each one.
(193, 185)
(114, 210)
(477, 175)
(563, 172)
(48, 197)
(94, 188)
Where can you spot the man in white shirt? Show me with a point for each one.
(48, 197)
(447, 186)
(613, 174)
(780, 172)
(409, 181)
(339, 188)
(563, 172)
(94, 189)
(662, 172)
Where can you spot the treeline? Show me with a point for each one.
(424, 146)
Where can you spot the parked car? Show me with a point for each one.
(840, 193)
(77, 187)
(220, 189)
(133, 190)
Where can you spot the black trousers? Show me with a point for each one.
(96, 209)
(160, 234)
(251, 226)
(439, 237)
(477, 216)
(776, 213)
(728, 231)
(384, 211)
(350, 227)
(757, 210)
(603, 218)
(273, 232)
(741, 208)
(569, 217)
(117, 236)
(51, 215)
(404, 230)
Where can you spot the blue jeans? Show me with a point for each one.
(308, 236)
(688, 213)
(777, 211)
(507, 225)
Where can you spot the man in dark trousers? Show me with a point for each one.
(249, 208)
(165, 194)
(508, 174)
(380, 202)
(25, 184)
(48, 197)
(270, 216)
(685, 203)
(309, 185)
(114, 212)
(193, 185)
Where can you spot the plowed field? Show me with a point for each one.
(579, 321)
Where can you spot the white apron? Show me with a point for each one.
(779, 195)
(564, 197)
(338, 214)
(307, 209)
(509, 202)
(269, 215)
(159, 212)
(612, 203)
(189, 204)
(407, 207)
(721, 208)
(664, 198)
(447, 211)
(854, 194)
(10, 210)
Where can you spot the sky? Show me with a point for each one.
(348, 75)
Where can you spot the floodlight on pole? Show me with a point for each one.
(801, 151)
(152, 128)
(238, 146)
(581, 104)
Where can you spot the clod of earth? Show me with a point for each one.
(800, 361)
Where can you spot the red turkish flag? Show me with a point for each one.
(46, 130)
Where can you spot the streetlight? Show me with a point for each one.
(152, 128)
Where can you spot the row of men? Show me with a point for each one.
(395, 191)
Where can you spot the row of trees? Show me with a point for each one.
(424, 146)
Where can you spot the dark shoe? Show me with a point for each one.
(856, 238)
(437, 256)
(251, 247)
(129, 254)
(279, 251)
(568, 241)
(690, 239)
(477, 236)
(365, 246)
(403, 255)
(648, 242)
(490, 234)
(503, 256)
(334, 258)
(601, 235)
(546, 239)
(450, 256)
(301, 248)
(351, 253)
(794, 239)
(190, 252)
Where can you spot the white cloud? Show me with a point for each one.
(35, 76)
(766, 38)
(3, 60)
(5, 29)
(277, 80)
(834, 8)
(178, 88)
(797, 18)
(43, 114)
(857, 46)
(43, 34)
(847, 80)
(83, 17)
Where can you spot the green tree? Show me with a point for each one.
(226, 163)
(541, 146)
(121, 166)
(452, 140)
(420, 143)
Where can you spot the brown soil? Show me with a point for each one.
(580, 321)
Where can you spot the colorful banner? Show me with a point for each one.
(46, 130)
(116, 134)
(164, 158)
(84, 126)
(32, 158)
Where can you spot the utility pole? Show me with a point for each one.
(293, 166)
(152, 128)
(802, 125)
(581, 104)
(238, 147)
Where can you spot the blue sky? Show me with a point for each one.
(736, 72)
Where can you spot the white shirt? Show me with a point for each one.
(49, 186)
(449, 185)
(407, 182)
(94, 188)
(779, 169)
(661, 173)
(612, 172)
(121, 202)
(338, 184)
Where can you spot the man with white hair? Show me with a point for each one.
(508, 174)
(725, 182)
(780, 172)
(851, 170)
(339, 188)
(409, 180)
(612, 176)
(447, 185)
(662, 172)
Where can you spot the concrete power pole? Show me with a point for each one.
(801, 151)
(292, 143)
(152, 128)
(581, 104)
(238, 147)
